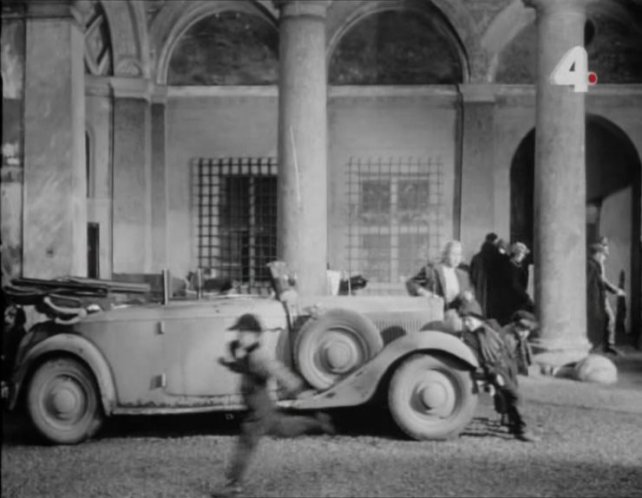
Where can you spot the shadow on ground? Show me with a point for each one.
(360, 421)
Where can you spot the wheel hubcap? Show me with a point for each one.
(339, 353)
(433, 396)
(66, 400)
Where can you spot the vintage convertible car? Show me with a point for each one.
(76, 368)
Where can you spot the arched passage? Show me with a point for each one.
(613, 192)
(393, 68)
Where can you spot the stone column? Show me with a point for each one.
(302, 148)
(54, 216)
(131, 252)
(477, 172)
(560, 189)
(159, 190)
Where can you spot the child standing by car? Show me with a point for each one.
(498, 365)
(257, 367)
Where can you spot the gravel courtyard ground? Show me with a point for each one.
(591, 446)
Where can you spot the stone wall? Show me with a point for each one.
(379, 124)
(208, 123)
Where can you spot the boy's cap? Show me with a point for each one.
(248, 322)
(491, 237)
(525, 318)
(471, 308)
(597, 247)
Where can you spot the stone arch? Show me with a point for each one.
(129, 38)
(342, 16)
(516, 17)
(614, 188)
(178, 17)
(504, 28)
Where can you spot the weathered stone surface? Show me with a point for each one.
(55, 229)
(596, 368)
(560, 189)
(230, 48)
(302, 188)
(131, 183)
(399, 48)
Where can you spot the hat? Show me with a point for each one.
(491, 237)
(249, 323)
(525, 319)
(519, 247)
(597, 247)
(471, 308)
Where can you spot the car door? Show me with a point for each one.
(195, 338)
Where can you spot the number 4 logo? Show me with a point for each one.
(572, 70)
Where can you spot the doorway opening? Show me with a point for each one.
(613, 209)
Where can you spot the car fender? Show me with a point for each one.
(73, 345)
(361, 385)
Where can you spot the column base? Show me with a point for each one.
(556, 352)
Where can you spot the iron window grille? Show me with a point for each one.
(396, 218)
(236, 203)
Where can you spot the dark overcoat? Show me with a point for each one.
(596, 318)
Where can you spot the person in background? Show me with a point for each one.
(512, 280)
(600, 317)
(256, 368)
(446, 279)
(610, 314)
(483, 268)
(498, 366)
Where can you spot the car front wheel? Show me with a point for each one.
(431, 397)
(63, 401)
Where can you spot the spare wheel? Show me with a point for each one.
(333, 345)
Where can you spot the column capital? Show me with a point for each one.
(478, 93)
(133, 88)
(97, 86)
(554, 6)
(306, 8)
(159, 94)
(54, 9)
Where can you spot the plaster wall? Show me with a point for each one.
(387, 123)
(367, 123)
(514, 118)
(202, 123)
(132, 185)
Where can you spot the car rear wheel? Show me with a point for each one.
(332, 346)
(63, 401)
(431, 397)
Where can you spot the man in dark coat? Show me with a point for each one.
(599, 316)
(483, 268)
(257, 367)
(499, 368)
(513, 283)
(596, 317)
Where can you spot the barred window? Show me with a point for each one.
(396, 217)
(236, 219)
